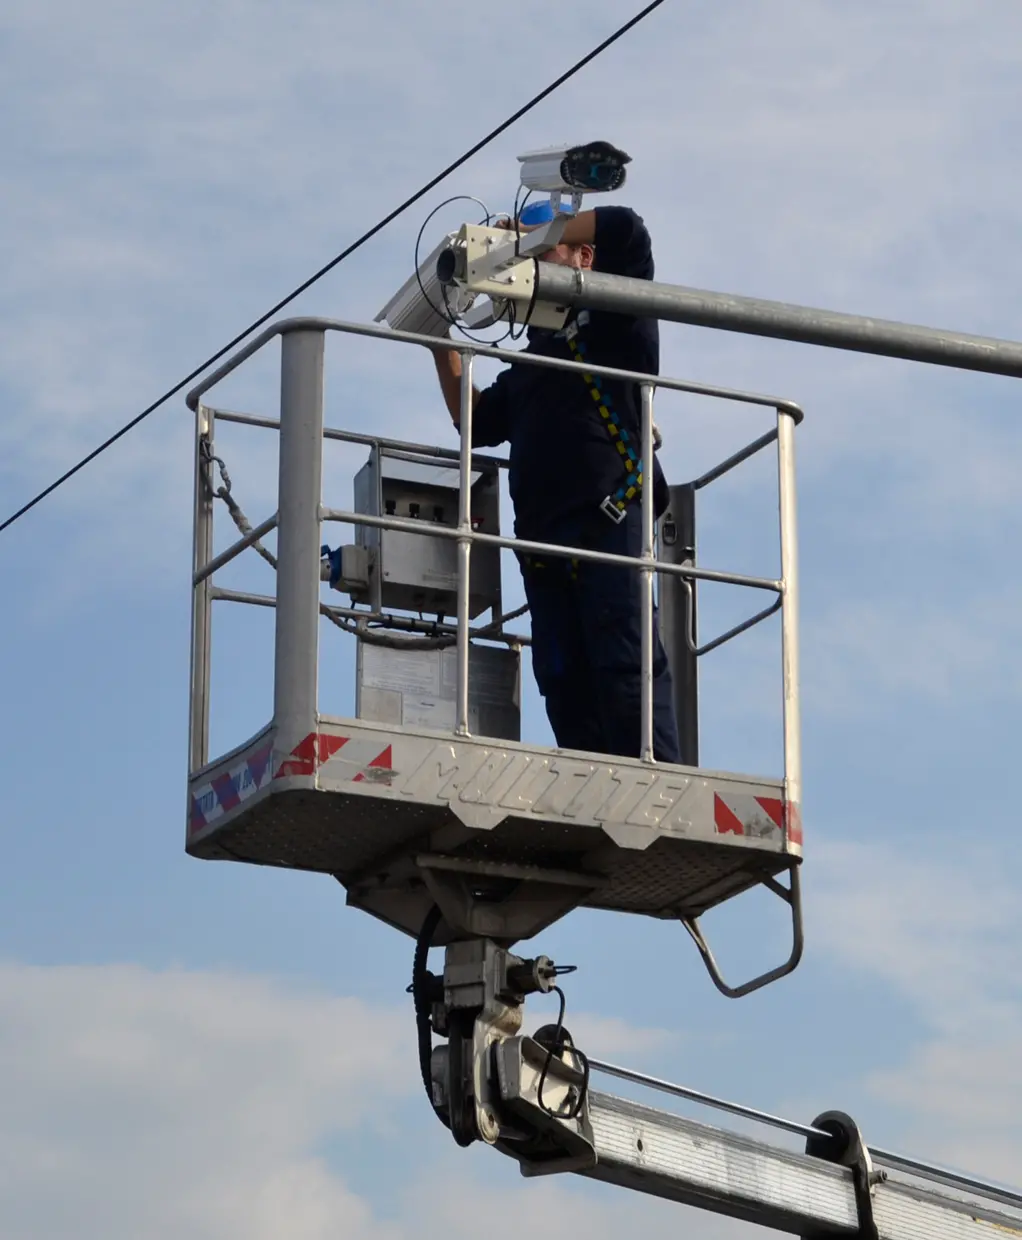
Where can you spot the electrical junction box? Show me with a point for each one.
(417, 572)
(418, 688)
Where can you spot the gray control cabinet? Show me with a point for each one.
(419, 573)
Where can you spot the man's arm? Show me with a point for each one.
(448, 369)
(579, 230)
(489, 408)
(617, 234)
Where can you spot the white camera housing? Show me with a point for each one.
(588, 168)
(422, 304)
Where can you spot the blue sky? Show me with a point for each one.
(231, 1050)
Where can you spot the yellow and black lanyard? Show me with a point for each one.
(614, 505)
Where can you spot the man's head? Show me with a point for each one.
(580, 256)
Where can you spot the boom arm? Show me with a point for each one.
(530, 1098)
(655, 1152)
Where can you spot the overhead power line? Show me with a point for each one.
(318, 275)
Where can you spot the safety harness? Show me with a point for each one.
(614, 505)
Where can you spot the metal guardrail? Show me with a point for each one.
(300, 512)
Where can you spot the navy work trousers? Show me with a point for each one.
(587, 642)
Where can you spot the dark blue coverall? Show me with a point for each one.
(586, 617)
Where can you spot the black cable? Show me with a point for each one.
(519, 208)
(306, 284)
(530, 307)
(447, 313)
(452, 318)
(420, 998)
(557, 1040)
(512, 313)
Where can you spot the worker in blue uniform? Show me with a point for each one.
(576, 479)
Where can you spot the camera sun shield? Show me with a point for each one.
(591, 168)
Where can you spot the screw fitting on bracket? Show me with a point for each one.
(529, 977)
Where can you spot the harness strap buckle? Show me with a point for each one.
(610, 509)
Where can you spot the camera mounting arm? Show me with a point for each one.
(527, 1096)
(499, 264)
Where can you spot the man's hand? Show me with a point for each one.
(508, 223)
(578, 230)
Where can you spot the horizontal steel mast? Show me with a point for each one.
(566, 286)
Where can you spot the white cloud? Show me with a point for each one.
(141, 1103)
(861, 654)
(177, 168)
(548, 1210)
(941, 928)
(949, 647)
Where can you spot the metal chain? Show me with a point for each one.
(224, 492)
(245, 526)
(359, 628)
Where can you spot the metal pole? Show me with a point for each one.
(376, 564)
(677, 596)
(696, 1095)
(646, 575)
(202, 551)
(464, 541)
(789, 615)
(565, 286)
(298, 537)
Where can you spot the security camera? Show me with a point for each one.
(593, 168)
(422, 304)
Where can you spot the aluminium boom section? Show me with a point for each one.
(665, 1155)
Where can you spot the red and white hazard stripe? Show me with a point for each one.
(361, 759)
(339, 757)
(738, 813)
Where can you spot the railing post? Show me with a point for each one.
(789, 611)
(202, 551)
(376, 458)
(677, 605)
(295, 699)
(464, 542)
(646, 575)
